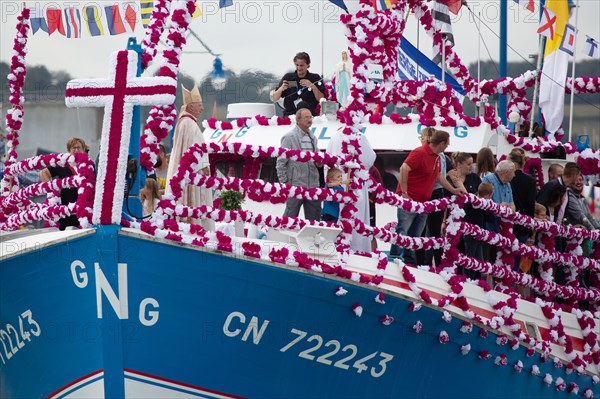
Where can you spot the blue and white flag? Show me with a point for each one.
(591, 47)
(38, 20)
(410, 60)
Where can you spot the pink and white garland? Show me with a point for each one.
(589, 161)
(161, 118)
(24, 211)
(583, 85)
(16, 81)
(258, 120)
(154, 31)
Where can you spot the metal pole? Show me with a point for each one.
(443, 59)
(418, 26)
(134, 205)
(536, 87)
(479, 65)
(503, 60)
(323, 39)
(573, 73)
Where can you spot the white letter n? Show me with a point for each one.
(120, 304)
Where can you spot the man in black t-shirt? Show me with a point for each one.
(67, 195)
(300, 89)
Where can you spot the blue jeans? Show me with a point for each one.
(412, 225)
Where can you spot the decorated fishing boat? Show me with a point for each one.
(160, 308)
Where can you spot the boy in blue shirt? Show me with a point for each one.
(331, 209)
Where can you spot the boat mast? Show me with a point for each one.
(573, 73)
(323, 40)
(503, 41)
(540, 58)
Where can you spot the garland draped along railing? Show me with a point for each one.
(16, 81)
(16, 209)
(373, 40)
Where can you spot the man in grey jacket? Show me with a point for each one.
(296, 173)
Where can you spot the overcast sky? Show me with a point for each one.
(265, 35)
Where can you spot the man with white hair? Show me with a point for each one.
(505, 171)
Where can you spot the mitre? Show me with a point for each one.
(191, 96)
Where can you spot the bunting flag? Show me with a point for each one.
(92, 20)
(591, 47)
(380, 4)
(114, 21)
(340, 4)
(197, 12)
(54, 19)
(146, 7)
(129, 16)
(454, 6)
(37, 20)
(442, 22)
(527, 4)
(414, 65)
(554, 71)
(568, 41)
(547, 24)
(225, 3)
(73, 22)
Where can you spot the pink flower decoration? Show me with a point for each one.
(444, 337)
(418, 327)
(357, 309)
(501, 360)
(519, 366)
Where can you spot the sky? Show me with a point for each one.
(265, 35)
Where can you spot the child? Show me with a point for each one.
(150, 195)
(540, 213)
(331, 209)
(477, 217)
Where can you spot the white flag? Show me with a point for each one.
(591, 47)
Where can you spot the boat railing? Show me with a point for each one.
(17, 207)
(506, 276)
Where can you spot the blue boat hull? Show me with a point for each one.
(205, 324)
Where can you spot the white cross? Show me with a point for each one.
(118, 95)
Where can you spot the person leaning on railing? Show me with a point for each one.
(67, 195)
(418, 174)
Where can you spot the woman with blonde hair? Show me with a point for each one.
(150, 195)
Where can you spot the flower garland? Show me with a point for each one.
(25, 211)
(583, 85)
(161, 118)
(258, 120)
(16, 81)
(533, 166)
(155, 29)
